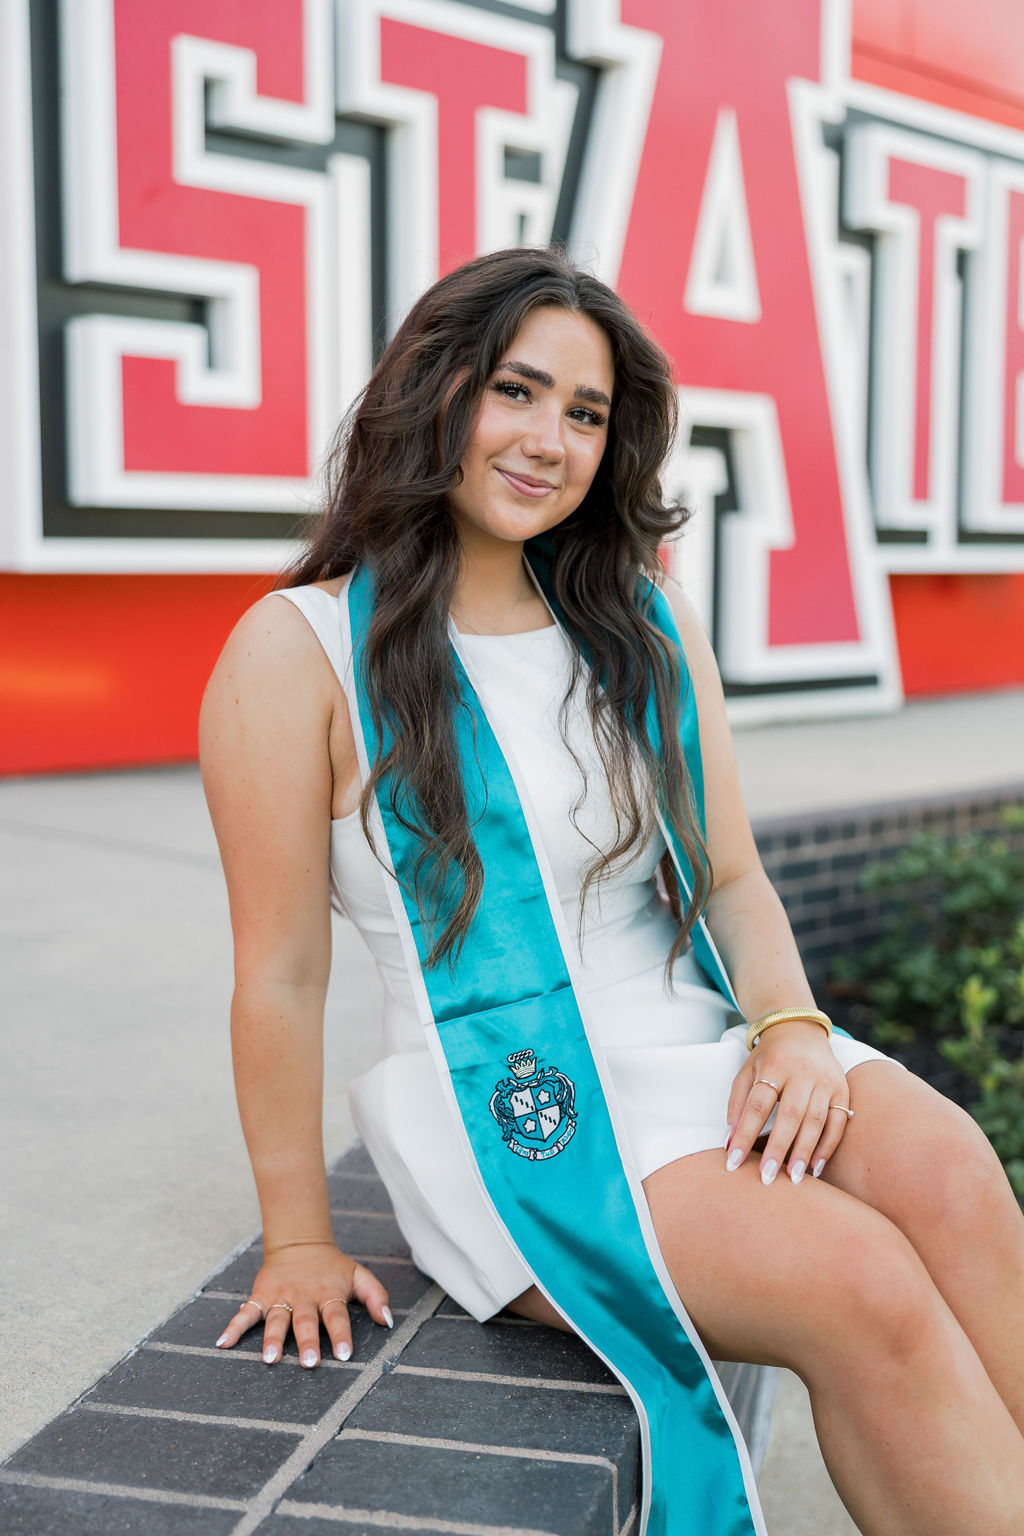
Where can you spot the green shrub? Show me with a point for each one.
(949, 968)
(992, 1059)
(953, 909)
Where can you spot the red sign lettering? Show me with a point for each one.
(194, 413)
(740, 57)
(464, 76)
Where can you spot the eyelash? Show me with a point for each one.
(508, 387)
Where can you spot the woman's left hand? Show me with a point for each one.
(798, 1059)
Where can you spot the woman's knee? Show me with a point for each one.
(923, 1161)
(865, 1307)
(806, 1276)
(950, 1180)
(887, 1308)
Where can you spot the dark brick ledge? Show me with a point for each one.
(511, 1429)
(815, 862)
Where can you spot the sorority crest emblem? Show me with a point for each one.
(534, 1108)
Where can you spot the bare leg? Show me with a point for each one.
(916, 1438)
(534, 1305)
(919, 1159)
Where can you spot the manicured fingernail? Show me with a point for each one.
(734, 1159)
(817, 1169)
(343, 1351)
(385, 1313)
(768, 1170)
(222, 1340)
(270, 1354)
(796, 1171)
(728, 1136)
(309, 1357)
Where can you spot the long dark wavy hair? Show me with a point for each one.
(395, 458)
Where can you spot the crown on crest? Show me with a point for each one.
(523, 1063)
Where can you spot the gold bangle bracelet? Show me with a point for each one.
(785, 1016)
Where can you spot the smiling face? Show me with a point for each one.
(540, 432)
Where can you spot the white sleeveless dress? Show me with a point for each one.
(672, 1052)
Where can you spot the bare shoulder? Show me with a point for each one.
(273, 647)
(272, 692)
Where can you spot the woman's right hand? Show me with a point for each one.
(316, 1280)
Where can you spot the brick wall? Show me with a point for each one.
(815, 862)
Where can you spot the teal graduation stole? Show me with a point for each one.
(530, 1094)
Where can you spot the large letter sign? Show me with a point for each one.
(233, 412)
(924, 202)
(253, 192)
(716, 254)
(456, 88)
(994, 478)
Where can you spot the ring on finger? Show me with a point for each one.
(847, 1112)
(327, 1303)
(284, 1304)
(767, 1083)
(250, 1302)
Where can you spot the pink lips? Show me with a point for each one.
(525, 485)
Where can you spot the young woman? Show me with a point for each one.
(480, 717)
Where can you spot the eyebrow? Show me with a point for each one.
(538, 376)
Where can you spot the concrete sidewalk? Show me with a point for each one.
(126, 1179)
(125, 1176)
